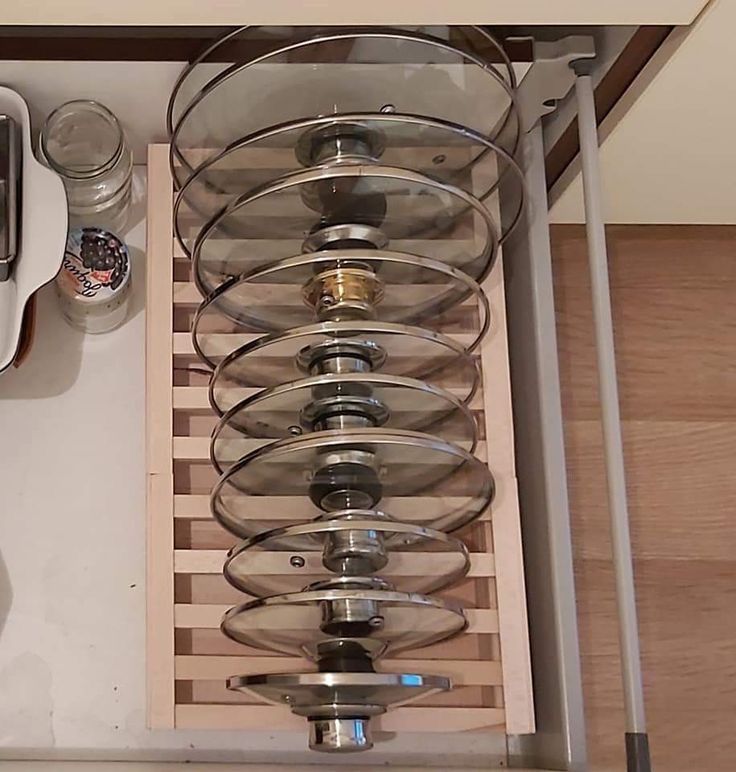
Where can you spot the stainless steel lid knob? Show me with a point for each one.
(339, 705)
(340, 735)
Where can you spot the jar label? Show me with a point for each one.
(96, 265)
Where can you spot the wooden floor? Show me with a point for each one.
(674, 296)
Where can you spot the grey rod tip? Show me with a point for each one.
(637, 752)
(582, 66)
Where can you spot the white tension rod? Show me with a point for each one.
(637, 744)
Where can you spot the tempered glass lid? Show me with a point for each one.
(279, 358)
(442, 221)
(288, 559)
(317, 690)
(248, 43)
(296, 623)
(397, 288)
(247, 516)
(444, 151)
(275, 75)
(333, 401)
(355, 469)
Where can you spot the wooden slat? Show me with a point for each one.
(221, 344)
(462, 672)
(211, 588)
(407, 719)
(504, 531)
(159, 463)
(193, 398)
(211, 642)
(291, 247)
(281, 159)
(190, 615)
(510, 587)
(198, 448)
(159, 320)
(189, 506)
(269, 219)
(263, 563)
(187, 294)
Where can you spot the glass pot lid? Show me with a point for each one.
(355, 469)
(297, 623)
(260, 76)
(393, 349)
(394, 287)
(358, 542)
(408, 208)
(340, 400)
(444, 151)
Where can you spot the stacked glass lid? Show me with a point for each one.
(338, 198)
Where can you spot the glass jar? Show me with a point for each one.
(84, 143)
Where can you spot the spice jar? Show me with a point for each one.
(84, 143)
(93, 285)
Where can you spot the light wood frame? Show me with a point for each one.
(187, 657)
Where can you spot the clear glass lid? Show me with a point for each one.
(446, 152)
(247, 516)
(360, 542)
(392, 349)
(358, 468)
(276, 220)
(340, 400)
(259, 76)
(297, 623)
(387, 287)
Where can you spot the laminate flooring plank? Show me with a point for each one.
(675, 326)
(681, 481)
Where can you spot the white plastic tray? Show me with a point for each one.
(42, 235)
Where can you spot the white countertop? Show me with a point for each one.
(72, 562)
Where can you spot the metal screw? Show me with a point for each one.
(327, 300)
(375, 622)
(295, 430)
(439, 159)
(297, 561)
(388, 109)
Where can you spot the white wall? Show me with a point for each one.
(672, 157)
